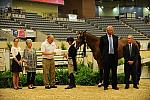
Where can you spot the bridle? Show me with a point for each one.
(82, 38)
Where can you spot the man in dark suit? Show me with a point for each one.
(130, 53)
(108, 47)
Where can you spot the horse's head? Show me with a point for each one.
(80, 39)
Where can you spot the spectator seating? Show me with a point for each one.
(121, 29)
(139, 25)
(63, 29)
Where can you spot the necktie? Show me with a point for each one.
(130, 49)
(111, 46)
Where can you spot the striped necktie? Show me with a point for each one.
(130, 49)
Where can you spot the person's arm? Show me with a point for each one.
(13, 54)
(117, 43)
(35, 58)
(124, 54)
(24, 56)
(136, 53)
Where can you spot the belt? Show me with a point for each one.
(48, 59)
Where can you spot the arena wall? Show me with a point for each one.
(40, 8)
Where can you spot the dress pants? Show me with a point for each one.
(110, 64)
(130, 70)
(30, 77)
(49, 72)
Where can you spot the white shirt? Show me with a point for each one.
(14, 51)
(130, 44)
(46, 47)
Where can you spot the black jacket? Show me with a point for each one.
(104, 47)
(134, 53)
(72, 53)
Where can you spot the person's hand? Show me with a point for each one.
(19, 62)
(24, 60)
(64, 55)
(52, 53)
(130, 62)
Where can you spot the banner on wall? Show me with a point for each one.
(61, 2)
(21, 33)
(72, 17)
(30, 33)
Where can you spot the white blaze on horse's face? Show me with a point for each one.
(79, 40)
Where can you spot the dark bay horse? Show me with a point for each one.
(93, 43)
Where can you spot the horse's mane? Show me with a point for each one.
(93, 37)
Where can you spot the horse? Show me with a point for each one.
(93, 43)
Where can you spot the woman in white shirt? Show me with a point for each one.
(16, 63)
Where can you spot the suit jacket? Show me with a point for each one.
(104, 47)
(134, 53)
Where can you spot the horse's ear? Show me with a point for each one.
(84, 31)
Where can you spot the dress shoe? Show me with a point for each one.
(33, 87)
(47, 87)
(115, 88)
(19, 87)
(30, 87)
(136, 87)
(127, 87)
(105, 88)
(16, 88)
(69, 87)
(74, 86)
(53, 86)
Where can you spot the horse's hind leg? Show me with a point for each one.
(101, 72)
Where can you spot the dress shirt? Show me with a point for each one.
(46, 47)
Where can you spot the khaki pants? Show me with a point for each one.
(48, 70)
(70, 66)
